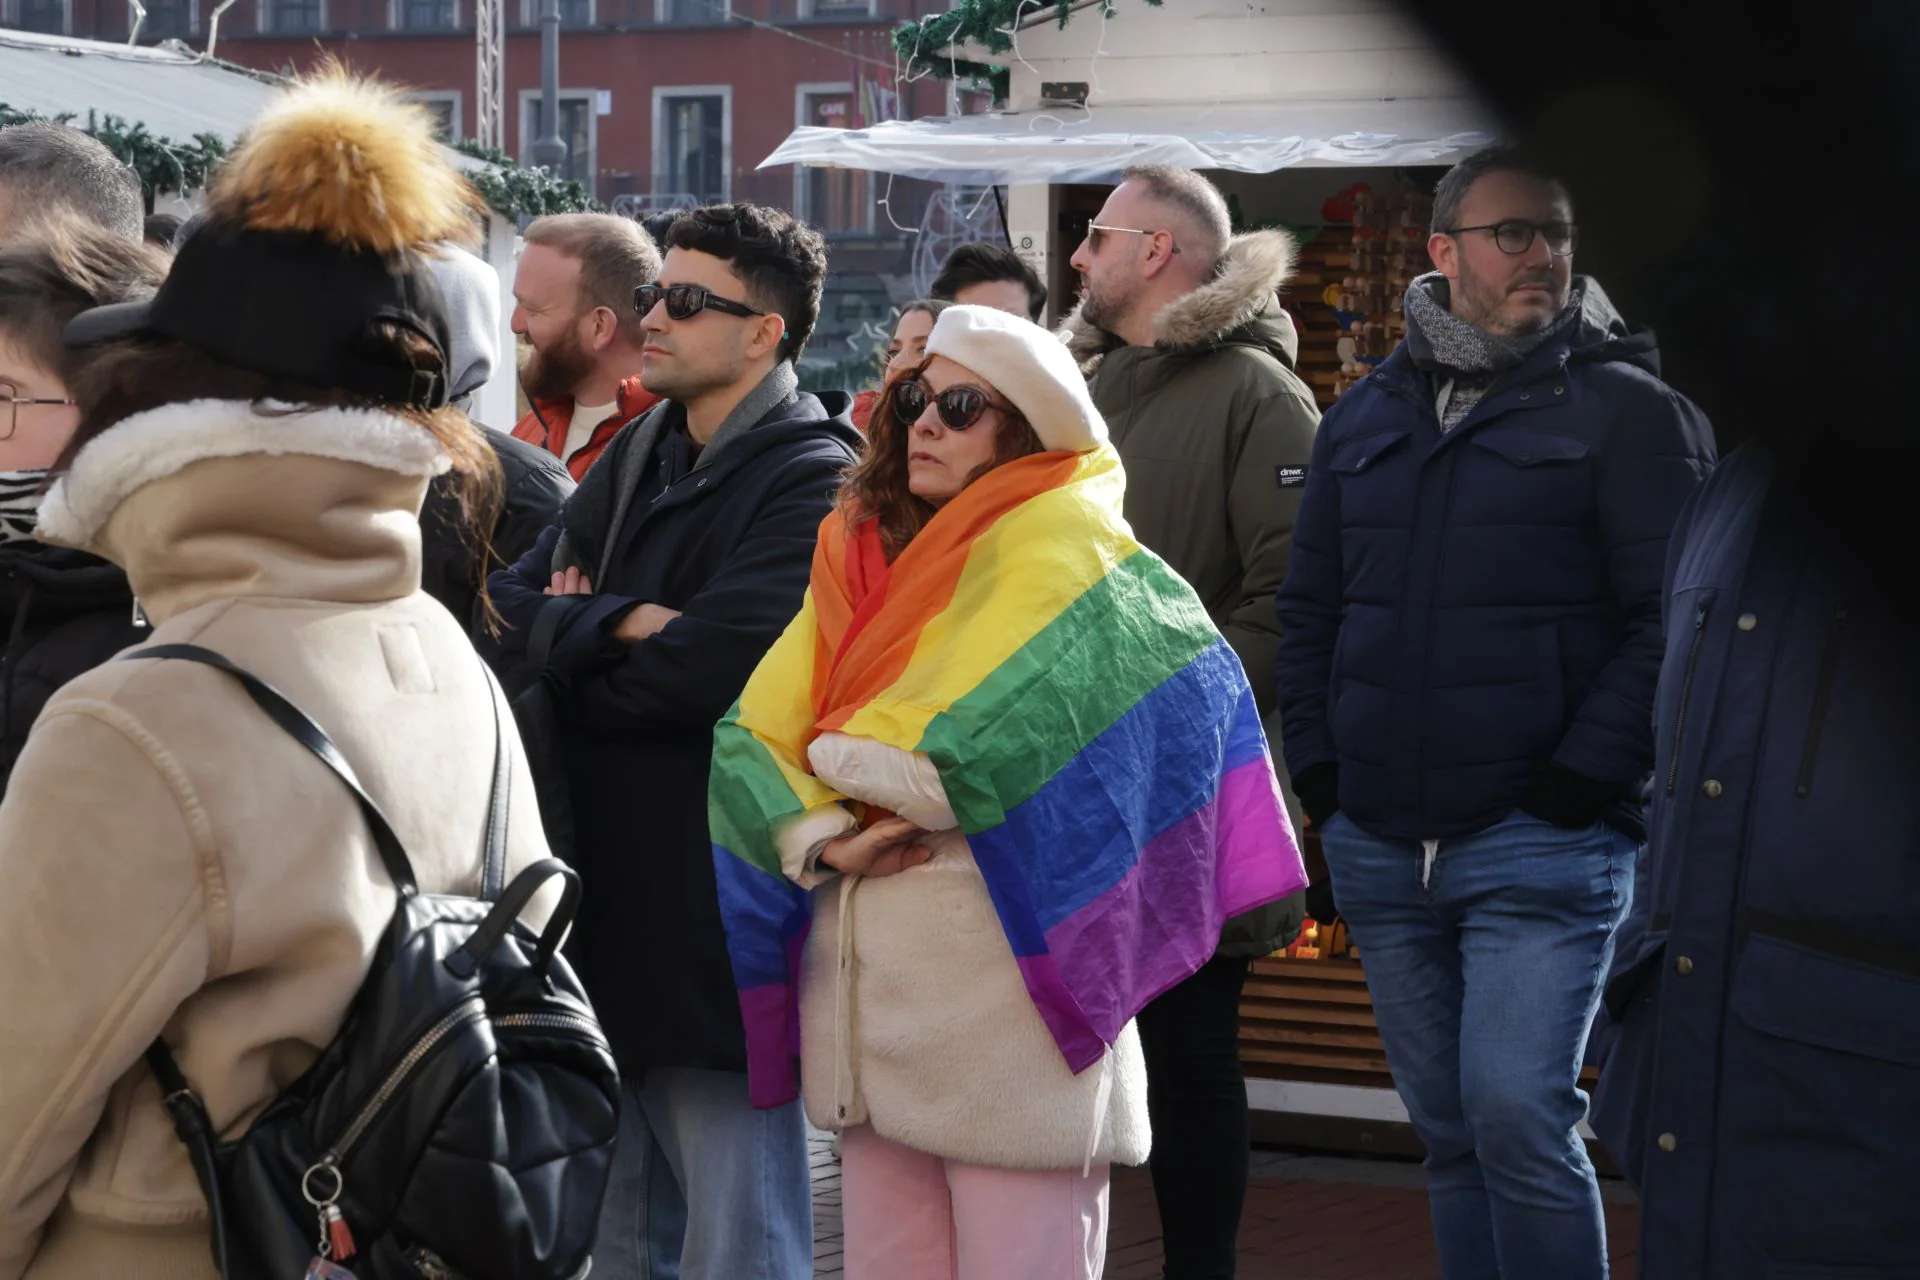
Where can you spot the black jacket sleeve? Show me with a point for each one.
(688, 674)
(1657, 452)
(535, 494)
(519, 594)
(1309, 609)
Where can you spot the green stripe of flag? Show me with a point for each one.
(1119, 641)
(750, 795)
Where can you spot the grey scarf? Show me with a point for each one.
(1464, 360)
(599, 506)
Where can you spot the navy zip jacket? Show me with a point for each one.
(1471, 619)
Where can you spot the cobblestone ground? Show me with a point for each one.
(1307, 1218)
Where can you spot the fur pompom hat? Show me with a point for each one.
(315, 232)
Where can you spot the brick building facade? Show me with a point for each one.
(662, 103)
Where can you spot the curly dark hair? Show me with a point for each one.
(781, 260)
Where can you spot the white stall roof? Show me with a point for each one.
(175, 93)
(1071, 144)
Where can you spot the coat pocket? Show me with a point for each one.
(1523, 448)
(1819, 1103)
(1356, 457)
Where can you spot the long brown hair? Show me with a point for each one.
(114, 381)
(876, 487)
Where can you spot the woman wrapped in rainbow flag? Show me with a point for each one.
(996, 788)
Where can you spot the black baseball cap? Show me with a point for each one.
(292, 305)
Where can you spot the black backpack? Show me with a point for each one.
(461, 1125)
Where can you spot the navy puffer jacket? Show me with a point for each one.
(1465, 608)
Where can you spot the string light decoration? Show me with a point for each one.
(989, 23)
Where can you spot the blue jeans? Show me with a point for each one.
(1485, 962)
(704, 1187)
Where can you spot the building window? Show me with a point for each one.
(445, 106)
(294, 17)
(166, 19)
(841, 9)
(577, 130)
(573, 13)
(834, 200)
(693, 142)
(427, 15)
(49, 17)
(692, 13)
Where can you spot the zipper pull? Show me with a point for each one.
(339, 1235)
(336, 1239)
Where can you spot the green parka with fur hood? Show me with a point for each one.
(1215, 429)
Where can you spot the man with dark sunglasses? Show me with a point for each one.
(1471, 634)
(1190, 358)
(674, 567)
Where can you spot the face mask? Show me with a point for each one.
(20, 494)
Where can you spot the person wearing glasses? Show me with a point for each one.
(673, 568)
(976, 759)
(1471, 634)
(62, 611)
(1190, 357)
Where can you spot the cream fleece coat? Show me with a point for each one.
(172, 861)
(913, 1014)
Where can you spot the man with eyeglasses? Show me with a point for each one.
(1471, 634)
(672, 570)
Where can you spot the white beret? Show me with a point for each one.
(1029, 366)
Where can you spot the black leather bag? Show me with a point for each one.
(461, 1125)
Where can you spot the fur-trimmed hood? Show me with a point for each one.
(1239, 305)
(214, 498)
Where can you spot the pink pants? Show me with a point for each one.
(912, 1216)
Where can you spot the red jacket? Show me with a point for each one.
(863, 404)
(546, 425)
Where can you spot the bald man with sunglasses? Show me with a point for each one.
(639, 617)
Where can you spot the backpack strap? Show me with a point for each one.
(195, 1129)
(313, 738)
(493, 868)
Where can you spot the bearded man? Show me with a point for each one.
(1190, 358)
(1471, 634)
(573, 305)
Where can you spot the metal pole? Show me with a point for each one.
(489, 33)
(549, 148)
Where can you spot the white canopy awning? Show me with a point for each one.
(176, 93)
(1078, 144)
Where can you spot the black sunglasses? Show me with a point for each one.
(685, 301)
(960, 407)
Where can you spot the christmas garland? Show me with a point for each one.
(518, 192)
(981, 22)
(164, 165)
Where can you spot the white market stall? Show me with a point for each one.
(178, 95)
(1237, 87)
(1260, 93)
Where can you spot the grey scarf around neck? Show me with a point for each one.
(601, 502)
(1466, 360)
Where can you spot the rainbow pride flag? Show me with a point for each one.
(1096, 737)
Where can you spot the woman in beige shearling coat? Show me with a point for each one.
(171, 862)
